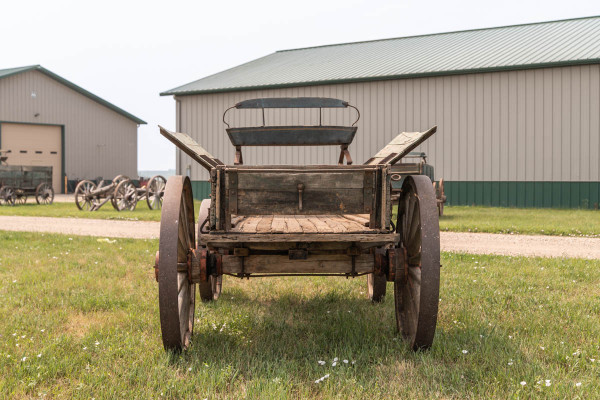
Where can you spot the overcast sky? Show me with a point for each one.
(128, 51)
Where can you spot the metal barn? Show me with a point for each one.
(517, 108)
(47, 120)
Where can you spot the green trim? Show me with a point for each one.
(62, 146)
(71, 85)
(62, 161)
(387, 78)
(201, 190)
(524, 194)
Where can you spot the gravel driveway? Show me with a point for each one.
(474, 243)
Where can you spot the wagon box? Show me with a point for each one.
(297, 220)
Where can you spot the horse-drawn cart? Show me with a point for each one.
(17, 182)
(288, 220)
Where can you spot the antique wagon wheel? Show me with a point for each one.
(125, 196)
(7, 196)
(176, 293)
(210, 290)
(155, 192)
(83, 195)
(416, 289)
(116, 180)
(44, 194)
(21, 198)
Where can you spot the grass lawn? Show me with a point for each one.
(537, 221)
(80, 320)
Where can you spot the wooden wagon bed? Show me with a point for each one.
(302, 224)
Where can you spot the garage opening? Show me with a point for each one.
(39, 145)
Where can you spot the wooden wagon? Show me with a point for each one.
(17, 182)
(290, 220)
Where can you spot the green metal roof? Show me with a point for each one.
(537, 45)
(13, 71)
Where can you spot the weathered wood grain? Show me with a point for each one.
(191, 148)
(313, 264)
(400, 146)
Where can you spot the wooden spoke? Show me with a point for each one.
(177, 237)
(83, 195)
(416, 291)
(155, 192)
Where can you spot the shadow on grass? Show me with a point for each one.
(289, 334)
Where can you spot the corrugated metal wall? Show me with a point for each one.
(98, 141)
(538, 125)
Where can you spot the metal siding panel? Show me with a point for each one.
(546, 144)
(503, 129)
(512, 128)
(584, 147)
(595, 123)
(575, 123)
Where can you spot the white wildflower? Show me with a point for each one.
(548, 382)
(333, 364)
(23, 359)
(542, 347)
(335, 359)
(578, 384)
(345, 361)
(39, 355)
(96, 343)
(510, 363)
(592, 359)
(85, 347)
(321, 362)
(523, 383)
(465, 351)
(190, 368)
(15, 281)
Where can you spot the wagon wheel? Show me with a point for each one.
(21, 198)
(416, 289)
(155, 192)
(120, 178)
(176, 293)
(441, 196)
(210, 290)
(83, 195)
(7, 196)
(125, 196)
(44, 194)
(116, 180)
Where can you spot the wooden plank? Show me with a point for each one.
(292, 224)
(337, 263)
(321, 226)
(250, 225)
(355, 226)
(314, 202)
(278, 224)
(191, 148)
(400, 146)
(237, 221)
(333, 224)
(360, 218)
(264, 225)
(289, 181)
(306, 225)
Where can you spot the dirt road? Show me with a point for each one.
(474, 243)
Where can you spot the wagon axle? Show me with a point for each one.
(201, 264)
